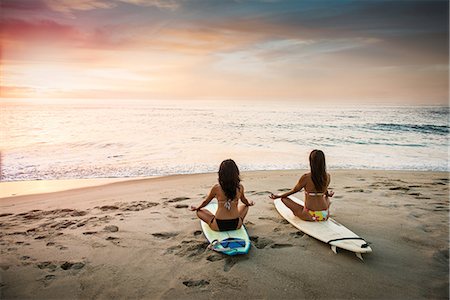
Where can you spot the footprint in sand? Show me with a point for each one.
(260, 243)
(440, 208)
(215, 257)
(441, 256)
(177, 199)
(283, 190)
(46, 265)
(414, 194)
(230, 261)
(139, 205)
(278, 246)
(438, 183)
(197, 232)
(262, 193)
(356, 191)
(47, 279)
(107, 207)
(399, 188)
(111, 228)
(189, 248)
(70, 265)
(81, 224)
(196, 283)
(164, 235)
(277, 220)
(89, 232)
(296, 234)
(181, 206)
(114, 240)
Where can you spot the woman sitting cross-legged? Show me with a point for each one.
(229, 190)
(316, 185)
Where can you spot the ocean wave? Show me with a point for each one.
(425, 128)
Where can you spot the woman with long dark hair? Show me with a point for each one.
(316, 185)
(229, 216)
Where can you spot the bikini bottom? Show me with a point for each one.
(226, 225)
(318, 215)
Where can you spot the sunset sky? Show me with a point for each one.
(369, 51)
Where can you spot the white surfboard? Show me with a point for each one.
(330, 231)
(233, 242)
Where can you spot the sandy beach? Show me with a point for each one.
(137, 239)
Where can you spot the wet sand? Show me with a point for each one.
(137, 239)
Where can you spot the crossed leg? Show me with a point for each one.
(297, 209)
(206, 216)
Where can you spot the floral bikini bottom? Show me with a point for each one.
(318, 215)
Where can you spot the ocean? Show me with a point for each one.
(103, 139)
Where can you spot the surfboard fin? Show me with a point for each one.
(333, 248)
(359, 255)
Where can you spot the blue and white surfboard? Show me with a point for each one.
(233, 242)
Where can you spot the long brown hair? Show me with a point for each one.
(229, 178)
(318, 170)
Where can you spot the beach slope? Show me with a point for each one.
(137, 239)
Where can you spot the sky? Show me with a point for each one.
(364, 51)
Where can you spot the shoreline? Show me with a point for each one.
(137, 239)
(43, 186)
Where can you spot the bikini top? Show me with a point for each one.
(314, 193)
(227, 203)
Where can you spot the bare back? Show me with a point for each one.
(222, 212)
(314, 199)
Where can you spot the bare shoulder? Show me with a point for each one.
(305, 176)
(215, 187)
(241, 187)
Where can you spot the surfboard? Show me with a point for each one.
(233, 242)
(330, 232)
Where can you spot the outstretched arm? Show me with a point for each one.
(244, 199)
(208, 199)
(329, 193)
(298, 187)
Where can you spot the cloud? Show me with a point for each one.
(41, 30)
(231, 48)
(15, 91)
(67, 6)
(24, 5)
(163, 4)
(18, 35)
